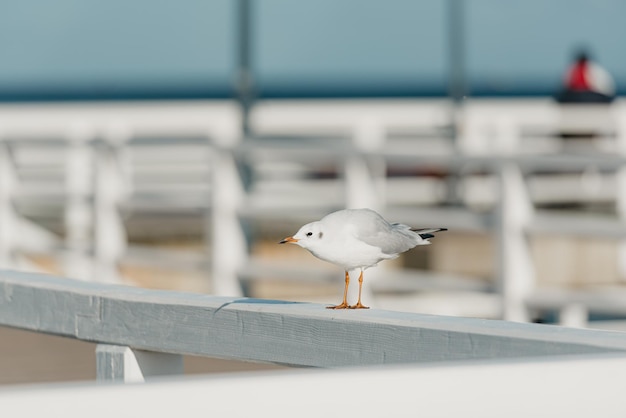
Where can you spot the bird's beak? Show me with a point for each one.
(291, 240)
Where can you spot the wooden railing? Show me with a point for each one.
(143, 333)
(576, 387)
(440, 366)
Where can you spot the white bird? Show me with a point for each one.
(358, 239)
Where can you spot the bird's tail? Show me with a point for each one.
(426, 233)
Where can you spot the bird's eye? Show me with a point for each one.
(308, 234)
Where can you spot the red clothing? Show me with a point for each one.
(578, 78)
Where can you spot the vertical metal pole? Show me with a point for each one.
(245, 80)
(456, 45)
(246, 97)
(456, 82)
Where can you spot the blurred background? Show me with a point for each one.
(171, 145)
(192, 49)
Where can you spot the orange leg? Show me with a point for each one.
(359, 305)
(344, 304)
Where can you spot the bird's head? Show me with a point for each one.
(309, 236)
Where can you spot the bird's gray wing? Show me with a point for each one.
(391, 239)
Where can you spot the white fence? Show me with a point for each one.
(443, 365)
(101, 177)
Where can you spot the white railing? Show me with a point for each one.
(444, 365)
(261, 330)
(356, 139)
(573, 387)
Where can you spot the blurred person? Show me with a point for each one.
(586, 81)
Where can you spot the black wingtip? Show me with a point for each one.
(430, 233)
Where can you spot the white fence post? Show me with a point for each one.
(8, 217)
(78, 210)
(575, 315)
(365, 175)
(116, 363)
(620, 198)
(110, 239)
(515, 264)
(229, 246)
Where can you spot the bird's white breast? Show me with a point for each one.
(349, 253)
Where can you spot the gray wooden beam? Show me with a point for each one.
(283, 332)
(115, 363)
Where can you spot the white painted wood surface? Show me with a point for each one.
(116, 363)
(260, 330)
(571, 387)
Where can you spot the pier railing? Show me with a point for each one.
(573, 387)
(440, 366)
(144, 332)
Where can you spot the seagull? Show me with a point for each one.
(358, 239)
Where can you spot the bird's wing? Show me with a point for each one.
(391, 239)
